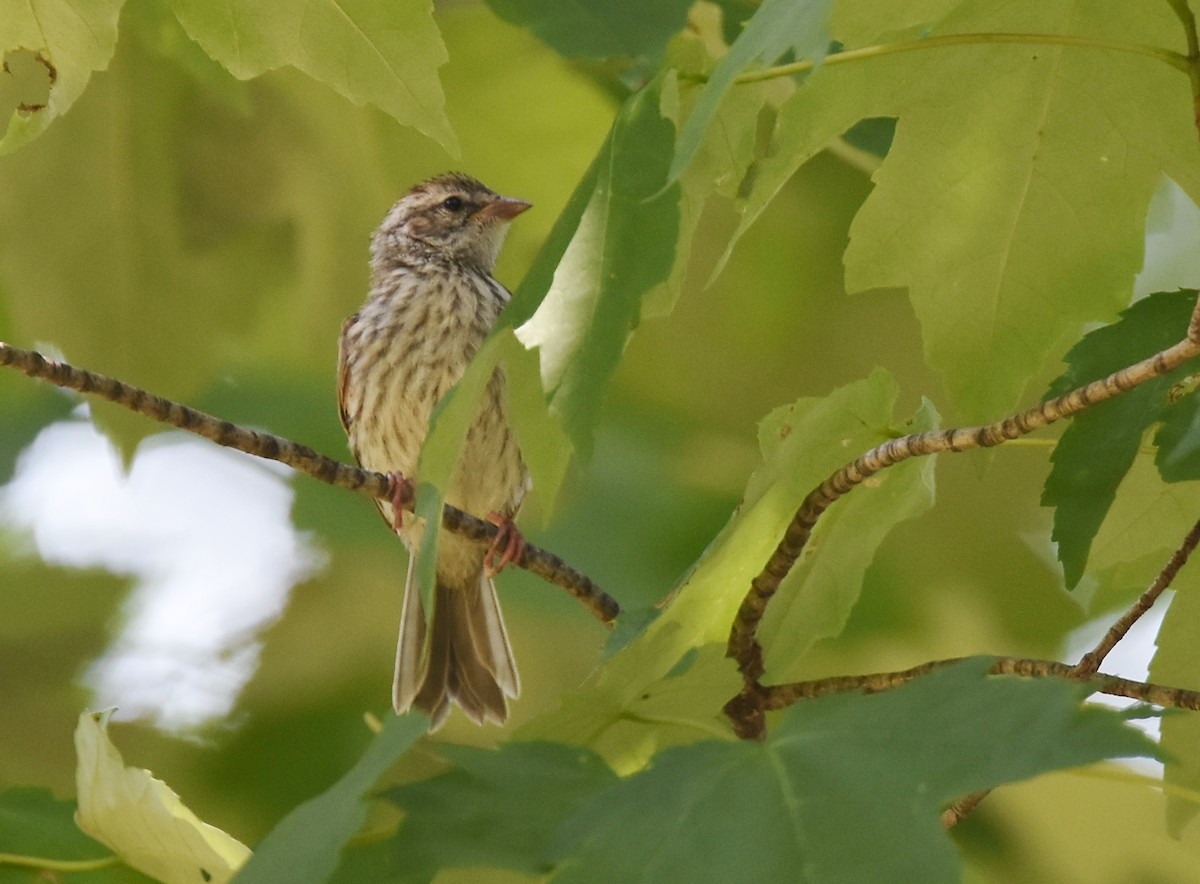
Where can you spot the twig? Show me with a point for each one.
(1090, 662)
(301, 458)
(784, 695)
(745, 710)
(956, 812)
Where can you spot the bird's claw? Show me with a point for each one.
(402, 494)
(509, 543)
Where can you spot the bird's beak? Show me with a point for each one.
(503, 209)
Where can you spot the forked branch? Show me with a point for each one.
(746, 710)
(1089, 663)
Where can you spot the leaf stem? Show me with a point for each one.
(854, 157)
(58, 865)
(1125, 776)
(1174, 59)
(1188, 19)
(713, 729)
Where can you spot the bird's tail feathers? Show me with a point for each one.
(467, 658)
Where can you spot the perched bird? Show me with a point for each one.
(432, 303)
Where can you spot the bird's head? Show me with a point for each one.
(451, 217)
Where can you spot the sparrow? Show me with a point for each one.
(432, 303)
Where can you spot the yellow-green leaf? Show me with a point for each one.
(802, 444)
(54, 43)
(385, 54)
(141, 819)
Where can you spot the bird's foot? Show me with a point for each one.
(402, 494)
(509, 544)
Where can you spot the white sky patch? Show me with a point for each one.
(1129, 659)
(206, 535)
(1172, 242)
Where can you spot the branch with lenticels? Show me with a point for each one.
(746, 710)
(303, 459)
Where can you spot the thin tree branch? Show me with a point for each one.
(783, 695)
(956, 812)
(1090, 662)
(302, 459)
(746, 709)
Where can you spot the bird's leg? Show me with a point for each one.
(509, 543)
(402, 495)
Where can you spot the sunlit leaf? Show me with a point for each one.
(547, 451)
(307, 843)
(384, 54)
(816, 597)
(142, 820)
(440, 455)
(845, 788)
(55, 44)
(802, 445)
(867, 21)
(621, 248)
(26, 81)
(1011, 205)
(1099, 445)
(544, 444)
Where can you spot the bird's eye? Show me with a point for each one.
(452, 203)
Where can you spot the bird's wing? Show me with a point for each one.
(343, 376)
